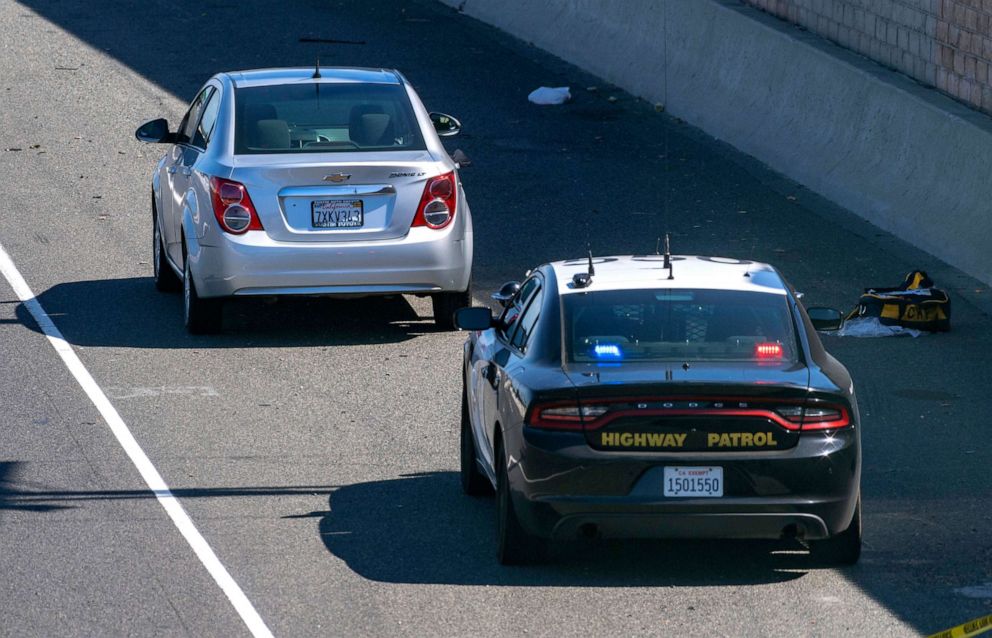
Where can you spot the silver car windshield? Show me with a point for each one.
(324, 117)
(617, 326)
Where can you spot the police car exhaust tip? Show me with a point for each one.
(589, 532)
(793, 531)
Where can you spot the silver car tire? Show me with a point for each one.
(165, 279)
(446, 303)
(201, 316)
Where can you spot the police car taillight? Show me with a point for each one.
(564, 416)
(817, 417)
(825, 418)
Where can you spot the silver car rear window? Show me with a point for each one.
(617, 326)
(324, 118)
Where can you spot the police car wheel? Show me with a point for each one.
(515, 545)
(842, 549)
(473, 482)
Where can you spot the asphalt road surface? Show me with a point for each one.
(314, 443)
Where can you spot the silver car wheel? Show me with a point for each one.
(187, 290)
(156, 249)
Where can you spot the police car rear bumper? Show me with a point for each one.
(758, 525)
(561, 488)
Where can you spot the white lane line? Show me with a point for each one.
(141, 461)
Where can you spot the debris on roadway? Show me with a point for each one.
(547, 96)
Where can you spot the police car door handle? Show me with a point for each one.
(171, 170)
(187, 171)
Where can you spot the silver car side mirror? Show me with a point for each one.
(445, 125)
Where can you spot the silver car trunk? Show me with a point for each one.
(299, 197)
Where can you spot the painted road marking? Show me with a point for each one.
(122, 392)
(138, 457)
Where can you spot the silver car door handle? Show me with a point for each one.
(171, 170)
(186, 171)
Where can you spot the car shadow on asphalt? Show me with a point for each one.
(420, 528)
(130, 313)
(10, 493)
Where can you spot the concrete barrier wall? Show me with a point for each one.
(902, 156)
(943, 43)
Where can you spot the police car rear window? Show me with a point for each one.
(615, 326)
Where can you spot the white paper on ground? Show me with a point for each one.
(546, 95)
(872, 327)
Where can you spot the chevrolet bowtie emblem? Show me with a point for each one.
(337, 178)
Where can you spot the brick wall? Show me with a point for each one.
(942, 43)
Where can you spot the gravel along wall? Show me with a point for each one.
(901, 155)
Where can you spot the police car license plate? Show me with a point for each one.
(337, 213)
(694, 481)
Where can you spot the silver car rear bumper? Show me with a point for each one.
(423, 261)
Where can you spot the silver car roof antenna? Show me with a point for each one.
(668, 259)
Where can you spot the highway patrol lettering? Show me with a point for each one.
(641, 439)
(741, 439)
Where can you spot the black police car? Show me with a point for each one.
(660, 397)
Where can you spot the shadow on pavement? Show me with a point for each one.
(130, 313)
(421, 529)
(10, 493)
(16, 494)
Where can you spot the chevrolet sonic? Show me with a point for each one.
(325, 181)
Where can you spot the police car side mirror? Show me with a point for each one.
(473, 318)
(825, 318)
(506, 293)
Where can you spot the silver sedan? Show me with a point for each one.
(321, 181)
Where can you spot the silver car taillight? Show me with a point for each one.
(437, 205)
(233, 207)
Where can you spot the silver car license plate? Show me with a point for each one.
(694, 481)
(337, 213)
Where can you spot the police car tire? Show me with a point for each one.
(473, 482)
(515, 545)
(165, 279)
(446, 303)
(201, 316)
(842, 549)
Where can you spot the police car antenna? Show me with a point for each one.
(668, 259)
(316, 70)
(583, 279)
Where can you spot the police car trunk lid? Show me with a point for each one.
(694, 407)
